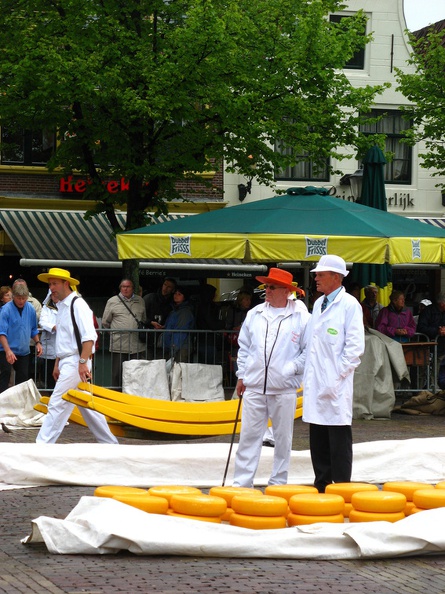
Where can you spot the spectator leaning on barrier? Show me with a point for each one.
(432, 323)
(396, 320)
(122, 313)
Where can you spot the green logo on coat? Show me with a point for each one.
(332, 331)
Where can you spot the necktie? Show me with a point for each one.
(324, 304)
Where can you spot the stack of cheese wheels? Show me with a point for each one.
(311, 508)
(373, 506)
(408, 488)
(135, 497)
(428, 499)
(347, 490)
(228, 494)
(258, 513)
(206, 508)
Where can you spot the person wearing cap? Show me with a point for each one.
(18, 325)
(123, 312)
(72, 366)
(432, 323)
(177, 345)
(270, 366)
(422, 305)
(371, 307)
(335, 341)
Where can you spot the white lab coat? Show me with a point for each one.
(335, 340)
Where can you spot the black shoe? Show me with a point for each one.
(268, 444)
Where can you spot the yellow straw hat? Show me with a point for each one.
(57, 273)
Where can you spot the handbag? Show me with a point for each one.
(141, 325)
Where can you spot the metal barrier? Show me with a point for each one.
(199, 346)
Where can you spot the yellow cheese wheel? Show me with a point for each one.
(346, 490)
(228, 493)
(408, 508)
(440, 485)
(145, 502)
(378, 501)
(214, 519)
(317, 504)
(167, 491)
(347, 510)
(300, 519)
(429, 498)
(112, 490)
(198, 505)
(267, 505)
(257, 522)
(287, 491)
(406, 487)
(226, 516)
(363, 516)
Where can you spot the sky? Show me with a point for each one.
(420, 13)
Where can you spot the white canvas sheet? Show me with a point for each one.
(103, 526)
(17, 406)
(203, 464)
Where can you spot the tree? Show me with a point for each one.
(425, 89)
(156, 91)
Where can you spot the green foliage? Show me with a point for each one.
(425, 89)
(152, 90)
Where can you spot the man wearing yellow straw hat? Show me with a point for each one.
(73, 358)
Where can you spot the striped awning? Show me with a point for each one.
(54, 235)
(440, 222)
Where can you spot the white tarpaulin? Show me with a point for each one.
(102, 526)
(203, 464)
(17, 406)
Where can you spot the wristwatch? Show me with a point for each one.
(82, 361)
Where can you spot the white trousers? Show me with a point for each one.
(257, 409)
(59, 410)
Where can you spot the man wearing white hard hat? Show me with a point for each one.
(335, 340)
(73, 358)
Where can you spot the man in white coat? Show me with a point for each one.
(270, 366)
(335, 340)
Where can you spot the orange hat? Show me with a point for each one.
(281, 278)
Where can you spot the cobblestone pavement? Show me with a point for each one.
(25, 569)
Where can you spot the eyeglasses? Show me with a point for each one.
(273, 287)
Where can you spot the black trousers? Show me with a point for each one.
(21, 368)
(331, 454)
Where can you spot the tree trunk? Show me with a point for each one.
(130, 269)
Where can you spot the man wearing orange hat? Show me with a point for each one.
(335, 341)
(270, 365)
(73, 358)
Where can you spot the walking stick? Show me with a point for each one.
(232, 440)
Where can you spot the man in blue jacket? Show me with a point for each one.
(18, 324)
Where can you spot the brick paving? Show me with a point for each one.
(25, 569)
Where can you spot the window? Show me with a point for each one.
(26, 147)
(357, 62)
(304, 169)
(392, 125)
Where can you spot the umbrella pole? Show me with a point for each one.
(232, 440)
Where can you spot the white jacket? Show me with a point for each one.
(282, 370)
(48, 319)
(335, 340)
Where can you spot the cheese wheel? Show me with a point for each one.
(440, 485)
(287, 491)
(363, 516)
(317, 504)
(346, 490)
(406, 487)
(226, 516)
(300, 519)
(409, 508)
(378, 501)
(228, 493)
(214, 519)
(347, 510)
(429, 498)
(112, 490)
(416, 510)
(167, 491)
(267, 505)
(198, 505)
(257, 522)
(145, 502)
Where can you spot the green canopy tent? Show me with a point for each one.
(301, 225)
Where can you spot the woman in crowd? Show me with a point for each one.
(178, 344)
(396, 320)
